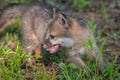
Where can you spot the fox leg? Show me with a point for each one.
(29, 48)
(37, 50)
(74, 57)
(30, 39)
(77, 60)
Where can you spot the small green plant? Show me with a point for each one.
(92, 25)
(101, 48)
(65, 73)
(80, 4)
(104, 12)
(10, 68)
(113, 35)
(19, 1)
(56, 3)
(110, 71)
(89, 44)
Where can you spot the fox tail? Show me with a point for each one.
(9, 14)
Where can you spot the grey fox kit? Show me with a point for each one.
(65, 31)
(39, 27)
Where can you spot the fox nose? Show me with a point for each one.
(47, 43)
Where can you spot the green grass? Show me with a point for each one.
(11, 63)
(113, 35)
(12, 67)
(56, 3)
(18, 1)
(92, 25)
(80, 4)
(104, 12)
(77, 4)
(69, 72)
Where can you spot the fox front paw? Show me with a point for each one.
(76, 60)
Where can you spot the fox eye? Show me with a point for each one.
(52, 36)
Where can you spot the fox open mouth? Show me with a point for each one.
(53, 48)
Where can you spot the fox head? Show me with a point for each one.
(58, 34)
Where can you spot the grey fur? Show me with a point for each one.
(34, 21)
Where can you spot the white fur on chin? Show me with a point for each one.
(64, 42)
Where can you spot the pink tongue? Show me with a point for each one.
(53, 49)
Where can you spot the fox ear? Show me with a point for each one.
(55, 13)
(62, 19)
